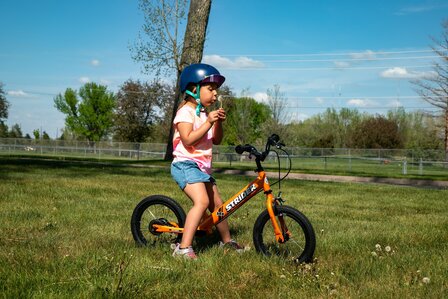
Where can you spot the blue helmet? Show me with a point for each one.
(200, 73)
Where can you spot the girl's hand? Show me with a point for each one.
(221, 114)
(217, 115)
(213, 117)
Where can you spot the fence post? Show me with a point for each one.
(405, 167)
(349, 160)
(420, 167)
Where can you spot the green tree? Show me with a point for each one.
(89, 115)
(3, 130)
(36, 134)
(45, 136)
(15, 132)
(424, 132)
(377, 132)
(418, 130)
(4, 105)
(245, 118)
(140, 106)
(330, 129)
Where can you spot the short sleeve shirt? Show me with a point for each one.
(201, 152)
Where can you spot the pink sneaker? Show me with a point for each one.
(187, 253)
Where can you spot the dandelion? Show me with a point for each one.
(387, 249)
(425, 280)
(374, 254)
(378, 247)
(283, 276)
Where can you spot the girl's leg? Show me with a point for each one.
(198, 194)
(216, 201)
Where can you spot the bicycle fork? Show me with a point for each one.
(281, 231)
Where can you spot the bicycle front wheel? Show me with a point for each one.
(300, 240)
(156, 209)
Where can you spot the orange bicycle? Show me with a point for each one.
(279, 230)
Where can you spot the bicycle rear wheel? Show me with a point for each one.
(156, 209)
(300, 240)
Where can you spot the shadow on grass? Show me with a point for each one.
(10, 165)
(206, 242)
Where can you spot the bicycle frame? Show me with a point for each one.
(233, 204)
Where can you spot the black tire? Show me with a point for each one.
(301, 244)
(155, 208)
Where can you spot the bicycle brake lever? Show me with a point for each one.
(279, 145)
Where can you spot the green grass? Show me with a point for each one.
(64, 232)
(310, 165)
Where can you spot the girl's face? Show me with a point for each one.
(208, 93)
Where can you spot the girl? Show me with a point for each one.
(194, 135)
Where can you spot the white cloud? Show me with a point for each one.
(105, 82)
(319, 100)
(95, 62)
(396, 72)
(341, 64)
(420, 8)
(17, 93)
(84, 80)
(403, 73)
(297, 116)
(366, 55)
(239, 62)
(260, 97)
(395, 104)
(356, 58)
(361, 103)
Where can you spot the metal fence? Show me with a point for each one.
(364, 161)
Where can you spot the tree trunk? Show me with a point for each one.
(446, 133)
(192, 51)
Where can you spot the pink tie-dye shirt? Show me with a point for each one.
(201, 152)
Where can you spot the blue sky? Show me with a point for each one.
(356, 54)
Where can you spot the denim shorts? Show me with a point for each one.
(188, 172)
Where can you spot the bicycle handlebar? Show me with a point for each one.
(273, 140)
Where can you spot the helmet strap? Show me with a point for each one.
(196, 96)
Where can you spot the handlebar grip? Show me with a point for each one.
(243, 148)
(239, 149)
(275, 138)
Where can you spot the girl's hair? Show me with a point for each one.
(190, 87)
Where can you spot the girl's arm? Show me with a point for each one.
(217, 129)
(217, 132)
(189, 136)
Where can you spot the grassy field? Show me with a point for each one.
(64, 232)
(313, 165)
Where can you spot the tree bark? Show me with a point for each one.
(192, 51)
(446, 134)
